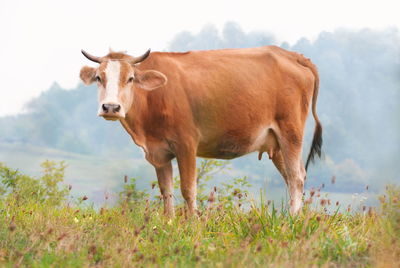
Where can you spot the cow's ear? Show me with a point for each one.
(150, 80)
(88, 75)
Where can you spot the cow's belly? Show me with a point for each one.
(229, 145)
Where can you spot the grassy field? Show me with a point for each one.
(41, 227)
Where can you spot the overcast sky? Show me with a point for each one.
(41, 40)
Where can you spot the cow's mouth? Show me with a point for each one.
(111, 118)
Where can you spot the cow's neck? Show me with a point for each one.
(133, 121)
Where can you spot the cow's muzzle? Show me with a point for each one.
(111, 111)
(111, 108)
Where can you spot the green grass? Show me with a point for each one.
(228, 232)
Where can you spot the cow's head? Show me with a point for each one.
(117, 77)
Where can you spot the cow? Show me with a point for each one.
(212, 104)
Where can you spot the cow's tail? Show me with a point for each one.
(316, 144)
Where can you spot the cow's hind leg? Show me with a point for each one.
(277, 159)
(290, 141)
(165, 182)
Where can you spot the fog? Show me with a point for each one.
(358, 104)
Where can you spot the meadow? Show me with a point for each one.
(41, 225)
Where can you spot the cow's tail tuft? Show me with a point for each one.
(316, 144)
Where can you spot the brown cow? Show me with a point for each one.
(215, 104)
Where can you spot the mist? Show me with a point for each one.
(358, 104)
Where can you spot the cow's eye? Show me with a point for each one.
(130, 80)
(98, 79)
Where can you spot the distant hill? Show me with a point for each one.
(359, 105)
(67, 120)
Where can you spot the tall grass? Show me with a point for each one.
(230, 231)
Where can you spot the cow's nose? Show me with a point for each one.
(111, 108)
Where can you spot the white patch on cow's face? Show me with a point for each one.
(112, 73)
(109, 93)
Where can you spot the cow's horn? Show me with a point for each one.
(140, 58)
(91, 57)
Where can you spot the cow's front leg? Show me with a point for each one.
(165, 182)
(187, 168)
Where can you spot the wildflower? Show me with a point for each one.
(370, 211)
(169, 222)
(12, 227)
(92, 249)
(256, 228)
(235, 192)
(137, 232)
(211, 198)
(312, 192)
(76, 220)
(61, 237)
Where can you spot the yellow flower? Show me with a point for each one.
(76, 220)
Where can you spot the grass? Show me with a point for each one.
(230, 231)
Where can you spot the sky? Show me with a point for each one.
(41, 40)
